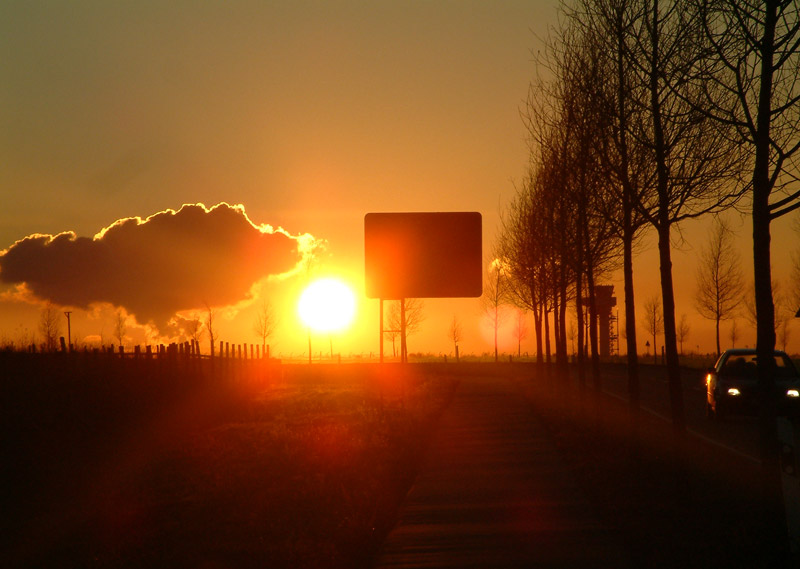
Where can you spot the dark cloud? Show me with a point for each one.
(171, 261)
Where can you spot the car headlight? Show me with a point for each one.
(793, 393)
(734, 392)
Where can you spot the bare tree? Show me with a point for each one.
(265, 324)
(683, 330)
(653, 321)
(719, 278)
(733, 334)
(210, 328)
(393, 332)
(572, 334)
(753, 84)
(784, 330)
(50, 327)
(455, 333)
(750, 311)
(522, 249)
(493, 298)
(120, 327)
(784, 316)
(194, 329)
(520, 330)
(784, 312)
(414, 316)
(794, 280)
(693, 159)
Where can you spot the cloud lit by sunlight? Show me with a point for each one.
(154, 268)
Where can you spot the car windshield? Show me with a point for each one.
(744, 366)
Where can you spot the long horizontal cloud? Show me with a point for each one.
(155, 267)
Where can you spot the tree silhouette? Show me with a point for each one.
(683, 330)
(653, 321)
(265, 324)
(520, 330)
(120, 327)
(753, 84)
(414, 317)
(393, 332)
(455, 333)
(210, 328)
(50, 327)
(194, 329)
(733, 333)
(719, 278)
(493, 298)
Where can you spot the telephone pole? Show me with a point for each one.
(69, 331)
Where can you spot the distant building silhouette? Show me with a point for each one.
(604, 301)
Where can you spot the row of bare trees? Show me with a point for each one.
(649, 113)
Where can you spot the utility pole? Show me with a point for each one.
(69, 330)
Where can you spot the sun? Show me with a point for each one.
(327, 305)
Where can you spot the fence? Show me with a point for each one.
(189, 349)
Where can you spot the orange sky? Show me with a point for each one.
(309, 114)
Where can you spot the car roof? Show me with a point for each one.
(748, 351)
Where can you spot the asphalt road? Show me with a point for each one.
(737, 434)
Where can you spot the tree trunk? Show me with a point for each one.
(547, 347)
(593, 340)
(496, 325)
(670, 340)
(403, 340)
(561, 345)
(772, 490)
(537, 325)
(630, 330)
(663, 228)
(556, 331)
(628, 234)
(581, 321)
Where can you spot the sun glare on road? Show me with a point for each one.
(327, 305)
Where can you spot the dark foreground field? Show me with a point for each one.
(156, 464)
(162, 464)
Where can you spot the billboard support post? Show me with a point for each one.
(381, 331)
(403, 354)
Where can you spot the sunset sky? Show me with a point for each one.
(309, 114)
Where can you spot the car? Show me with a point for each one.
(732, 384)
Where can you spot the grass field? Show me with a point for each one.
(112, 464)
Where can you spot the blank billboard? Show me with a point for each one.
(423, 255)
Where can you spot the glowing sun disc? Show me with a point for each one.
(327, 305)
